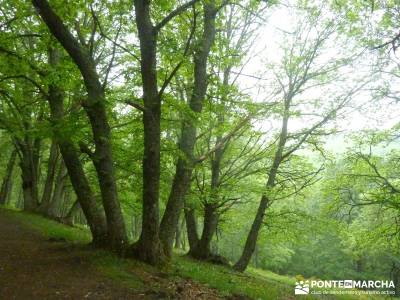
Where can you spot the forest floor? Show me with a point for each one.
(42, 259)
(34, 266)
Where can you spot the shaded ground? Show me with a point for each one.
(35, 267)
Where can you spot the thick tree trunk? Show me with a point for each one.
(103, 163)
(49, 183)
(180, 185)
(203, 247)
(6, 185)
(184, 166)
(96, 111)
(148, 248)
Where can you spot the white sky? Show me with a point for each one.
(372, 115)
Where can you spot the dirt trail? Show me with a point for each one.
(32, 267)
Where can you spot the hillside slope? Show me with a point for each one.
(42, 259)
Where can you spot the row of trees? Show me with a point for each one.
(45, 65)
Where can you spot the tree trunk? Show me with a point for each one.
(203, 246)
(252, 237)
(6, 185)
(251, 240)
(48, 186)
(80, 183)
(54, 206)
(184, 166)
(96, 112)
(148, 248)
(191, 227)
(103, 163)
(69, 217)
(20, 199)
(74, 166)
(29, 164)
(179, 235)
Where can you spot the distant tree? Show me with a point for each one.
(300, 71)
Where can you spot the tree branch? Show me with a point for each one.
(85, 149)
(177, 67)
(37, 85)
(78, 53)
(173, 14)
(223, 140)
(135, 105)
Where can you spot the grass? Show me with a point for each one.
(230, 282)
(255, 283)
(49, 228)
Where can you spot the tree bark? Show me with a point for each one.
(184, 166)
(179, 235)
(148, 248)
(49, 183)
(6, 185)
(191, 227)
(53, 209)
(203, 246)
(96, 112)
(29, 164)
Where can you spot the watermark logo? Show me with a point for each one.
(343, 287)
(302, 288)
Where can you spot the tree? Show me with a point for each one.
(300, 71)
(149, 246)
(80, 183)
(187, 140)
(6, 185)
(95, 108)
(50, 174)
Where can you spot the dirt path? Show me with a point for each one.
(32, 267)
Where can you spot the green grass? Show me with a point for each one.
(230, 282)
(272, 276)
(49, 228)
(255, 283)
(117, 269)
